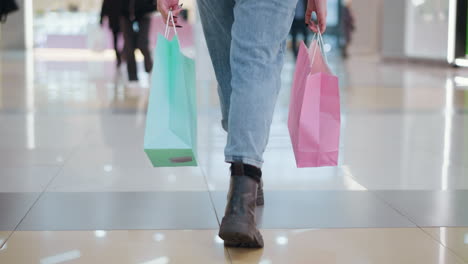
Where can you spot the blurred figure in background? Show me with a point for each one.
(347, 27)
(112, 10)
(299, 26)
(7, 7)
(135, 23)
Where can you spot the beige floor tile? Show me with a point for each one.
(139, 247)
(455, 238)
(347, 246)
(3, 236)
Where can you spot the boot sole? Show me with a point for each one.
(238, 234)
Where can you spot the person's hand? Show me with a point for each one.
(164, 6)
(320, 8)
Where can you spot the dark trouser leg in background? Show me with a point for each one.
(115, 34)
(294, 31)
(129, 37)
(298, 26)
(305, 33)
(143, 41)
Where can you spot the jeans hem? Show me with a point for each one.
(249, 161)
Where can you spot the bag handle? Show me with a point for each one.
(170, 18)
(320, 45)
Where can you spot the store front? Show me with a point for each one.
(458, 44)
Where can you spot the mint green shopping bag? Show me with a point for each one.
(171, 120)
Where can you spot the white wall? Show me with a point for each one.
(366, 37)
(401, 28)
(426, 29)
(393, 29)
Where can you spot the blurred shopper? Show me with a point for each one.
(347, 25)
(112, 10)
(247, 40)
(135, 24)
(7, 7)
(299, 26)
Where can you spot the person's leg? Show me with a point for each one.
(294, 31)
(259, 34)
(217, 18)
(143, 41)
(238, 226)
(129, 48)
(305, 33)
(115, 34)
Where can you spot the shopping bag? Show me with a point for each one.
(171, 121)
(314, 109)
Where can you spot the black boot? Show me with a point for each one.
(238, 228)
(256, 174)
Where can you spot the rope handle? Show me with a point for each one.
(170, 18)
(320, 44)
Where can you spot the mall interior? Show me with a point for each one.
(76, 185)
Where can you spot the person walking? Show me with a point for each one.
(7, 7)
(111, 9)
(347, 27)
(298, 26)
(246, 41)
(135, 23)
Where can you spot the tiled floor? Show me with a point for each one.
(407, 245)
(99, 246)
(76, 186)
(455, 239)
(403, 245)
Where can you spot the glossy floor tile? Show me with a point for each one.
(430, 208)
(407, 130)
(455, 239)
(112, 177)
(119, 130)
(120, 247)
(29, 179)
(403, 168)
(121, 210)
(347, 246)
(17, 157)
(280, 173)
(32, 131)
(128, 157)
(321, 209)
(13, 207)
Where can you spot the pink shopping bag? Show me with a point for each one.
(314, 109)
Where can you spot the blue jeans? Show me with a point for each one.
(246, 40)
